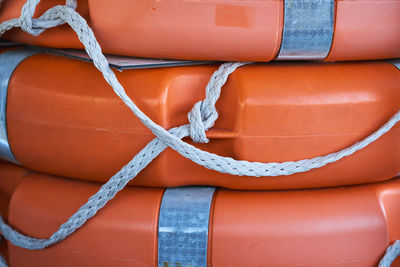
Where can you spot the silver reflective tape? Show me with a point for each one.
(307, 30)
(9, 61)
(183, 226)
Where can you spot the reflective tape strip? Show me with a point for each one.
(307, 30)
(9, 61)
(183, 226)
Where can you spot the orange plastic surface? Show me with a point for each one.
(217, 29)
(328, 227)
(60, 37)
(62, 118)
(366, 29)
(10, 177)
(4, 249)
(124, 233)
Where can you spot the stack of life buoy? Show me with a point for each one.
(234, 163)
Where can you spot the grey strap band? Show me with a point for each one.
(307, 30)
(9, 61)
(183, 226)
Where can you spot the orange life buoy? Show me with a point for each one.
(62, 118)
(338, 226)
(228, 30)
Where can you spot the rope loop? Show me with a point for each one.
(35, 26)
(26, 18)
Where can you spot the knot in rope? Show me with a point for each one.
(26, 18)
(204, 114)
(35, 26)
(201, 119)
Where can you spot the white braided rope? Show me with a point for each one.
(201, 118)
(392, 252)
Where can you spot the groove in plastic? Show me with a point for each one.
(128, 63)
(307, 30)
(183, 226)
(9, 61)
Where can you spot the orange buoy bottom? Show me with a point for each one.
(349, 226)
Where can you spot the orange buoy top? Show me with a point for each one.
(230, 30)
